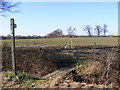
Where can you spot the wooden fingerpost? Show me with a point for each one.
(12, 26)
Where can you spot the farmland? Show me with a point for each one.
(81, 41)
(91, 58)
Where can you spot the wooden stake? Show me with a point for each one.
(13, 45)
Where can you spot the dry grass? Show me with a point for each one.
(101, 69)
(104, 69)
(35, 61)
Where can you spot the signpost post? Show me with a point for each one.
(12, 26)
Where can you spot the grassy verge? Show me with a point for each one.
(21, 80)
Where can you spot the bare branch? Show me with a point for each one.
(71, 31)
(7, 6)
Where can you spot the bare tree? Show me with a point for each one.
(88, 28)
(104, 29)
(56, 33)
(8, 6)
(98, 29)
(71, 31)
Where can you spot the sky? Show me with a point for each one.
(41, 18)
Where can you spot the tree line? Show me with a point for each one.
(87, 28)
(97, 28)
(70, 33)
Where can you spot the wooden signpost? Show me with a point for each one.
(12, 27)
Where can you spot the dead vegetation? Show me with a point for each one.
(102, 69)
(35, 61)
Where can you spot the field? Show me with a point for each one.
(95, 61)
(81, 41)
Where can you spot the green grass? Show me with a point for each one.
(25, 81)
(81, 41)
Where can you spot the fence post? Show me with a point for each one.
(13, 45)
